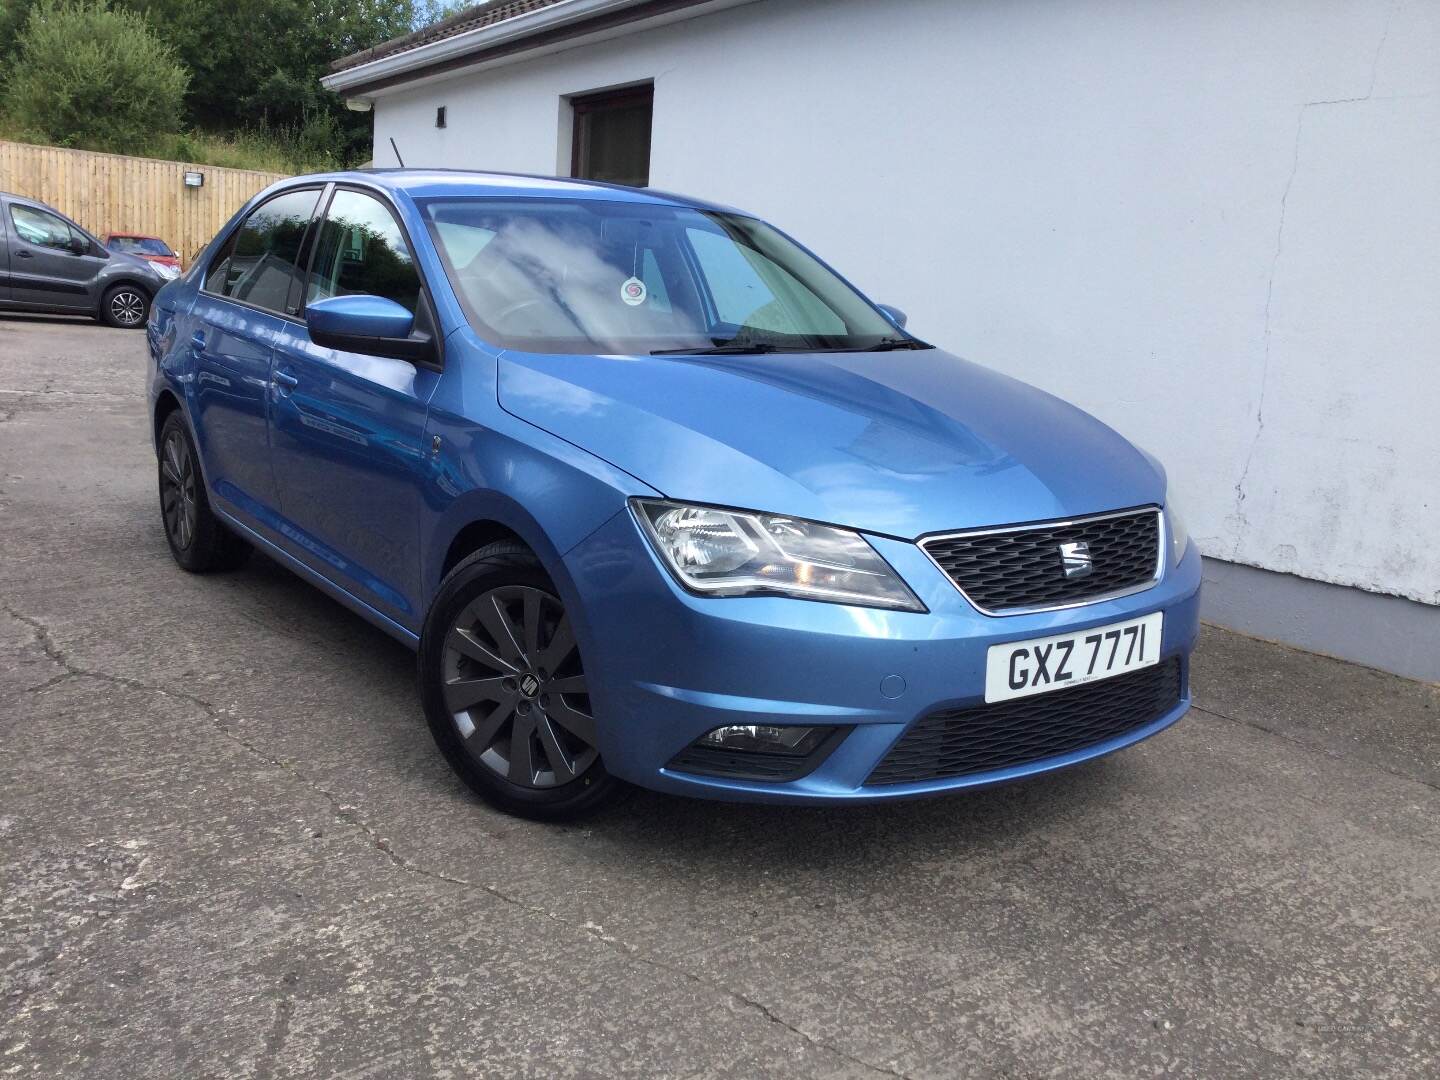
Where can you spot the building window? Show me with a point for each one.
(612, 136)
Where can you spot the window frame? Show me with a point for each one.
(584, 105)
(72, 230)
(426, 308)
(302, 255)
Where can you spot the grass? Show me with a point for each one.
(265, 151)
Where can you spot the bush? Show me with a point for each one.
(89, 77)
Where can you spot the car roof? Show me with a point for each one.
(26, 200)
(432, 183)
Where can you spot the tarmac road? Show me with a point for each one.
(229, 848)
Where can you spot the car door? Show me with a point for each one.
(52, 263)
(347, 429)
(249, 296)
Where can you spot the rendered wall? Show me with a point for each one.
(1215, 224)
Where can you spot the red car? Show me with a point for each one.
(150, 248)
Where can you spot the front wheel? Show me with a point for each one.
(124, 306)
(505, 692)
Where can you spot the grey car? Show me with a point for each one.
(50, 264)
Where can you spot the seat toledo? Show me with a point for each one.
(659, 498)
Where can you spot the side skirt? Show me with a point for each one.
(324, 584)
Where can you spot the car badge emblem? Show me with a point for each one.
(1075, 558)
(529, 685)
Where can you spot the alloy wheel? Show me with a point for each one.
(127, 307)
(177, 490)
(514, 687)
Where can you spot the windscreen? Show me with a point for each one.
(590, 276)
(140, 245)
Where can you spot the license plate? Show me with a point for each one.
(1021, 668)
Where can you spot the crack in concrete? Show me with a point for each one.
(346, 814)
(1380, 48)
(1315, 749)
(1238, 513)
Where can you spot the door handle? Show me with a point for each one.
(285, 380)
(23, 254)
(197, 339)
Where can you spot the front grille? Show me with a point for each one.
(982, 738)
(1022, 568)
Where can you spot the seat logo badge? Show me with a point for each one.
(1075, 558)
(529, 685)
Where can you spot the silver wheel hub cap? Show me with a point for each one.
(127, 307)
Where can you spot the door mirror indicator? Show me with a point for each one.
(367, 324)
(894, 314)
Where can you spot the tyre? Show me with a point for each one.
(124, 306)
(197, 538)
(505, 691)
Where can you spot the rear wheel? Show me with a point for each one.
(198, 539)
(505, 691)
(124, 306)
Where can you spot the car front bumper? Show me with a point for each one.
(665, 667)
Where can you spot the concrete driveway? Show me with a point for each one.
(227, 847)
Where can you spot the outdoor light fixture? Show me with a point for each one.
(194, 179)
(359, 104)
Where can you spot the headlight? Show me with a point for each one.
(169, 273)
(1175, 529)
(734, 553)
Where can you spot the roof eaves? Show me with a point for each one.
(463, 37)
(471, 18)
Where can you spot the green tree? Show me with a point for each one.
(13, 14)
(256, 64)
(87, 76)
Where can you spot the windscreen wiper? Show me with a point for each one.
(714, 350)
(889, 344)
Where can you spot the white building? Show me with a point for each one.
(1215, 224)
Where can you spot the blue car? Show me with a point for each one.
(659, 498)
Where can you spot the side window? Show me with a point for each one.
(259, 264)
(750, 290)
(41, 229)
(361, 250)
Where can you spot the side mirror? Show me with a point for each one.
(894, 314)
(367, 324)
(79, 245)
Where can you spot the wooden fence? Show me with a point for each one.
(111, 193)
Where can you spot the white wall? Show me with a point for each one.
(1213, 223)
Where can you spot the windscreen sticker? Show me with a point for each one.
(632, 291)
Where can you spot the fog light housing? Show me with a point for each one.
(764, 739)
(769, 752)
